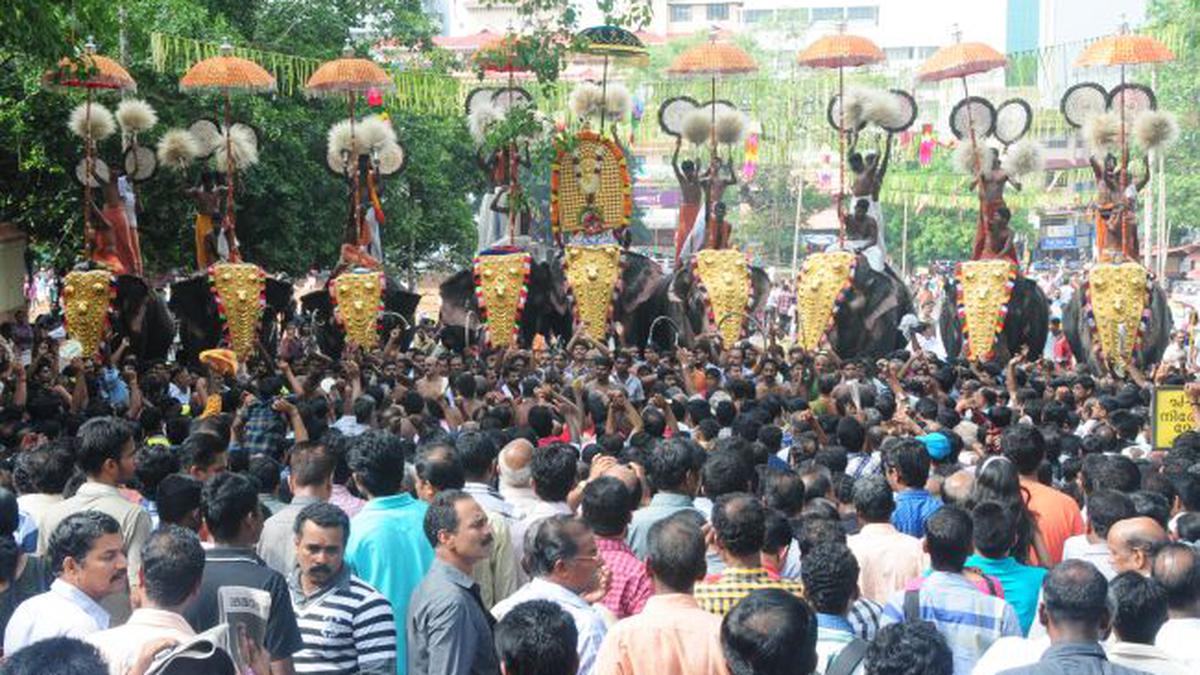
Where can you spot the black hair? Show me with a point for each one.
(541, 419)
(228, 499)
(1115, 472)
(1105, 508)
(172, 564)
(553, 469)
(814, 529)
(671, 463)
(675, 551)
(1024, 446)
(364, 408)
(911, 461)
(993, 532)
(101, 439)
(1152, 505)
(777, 532)
(438, 465)
(1075, 592)
(607, 506)
(1141, 606)
(200, 450)
(873, 499)
(177, 496)
(324, 515)
(265, 471)
(851, 434)
(1177, 567)
(726, 470)
(739, 522)
(783, 490)
(377, 460)
(830, 576)
(1188, 527)
(769, 632)
(537, 638)
(909, 648)
(154, 463)
(310, 464)
(10, 513)
(949, 537)
(44, 470)
(56, 656)
(553, 540)
(75, 536)
(476, 452)
(442, 515)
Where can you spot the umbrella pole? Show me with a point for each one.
(356, 207)
(1124, 170)
(604, 95)
(230, 168)
(89, 171)
(841, 193)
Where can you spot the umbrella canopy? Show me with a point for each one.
(611, 41)
(960, 60)
(1124, 49)
(227, 72)
(90, 71)
(713, 58)
(840, 51)
(348, 75)
(502, 55)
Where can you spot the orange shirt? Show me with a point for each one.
(1057, 516)
(671, 636)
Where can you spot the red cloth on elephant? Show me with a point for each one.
(122, 237)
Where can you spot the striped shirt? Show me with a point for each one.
(347, 627)
(719, 594)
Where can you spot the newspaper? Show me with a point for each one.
(204, 654)
(246, 611)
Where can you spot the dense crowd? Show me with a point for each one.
(744, 508)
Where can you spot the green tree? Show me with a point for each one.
(1178, 89)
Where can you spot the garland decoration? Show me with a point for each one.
(87, 300)
(501, 288)
(358, 305)
(1117, 298)
(726, 285)
(240, 290)
(590, 188)
(593, 284)
(984, 289)
(823, 284)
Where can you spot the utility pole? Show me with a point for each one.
(123, 39)
(796, 222)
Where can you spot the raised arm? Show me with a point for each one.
(883, 167)
(1141, 182)
(675, 160)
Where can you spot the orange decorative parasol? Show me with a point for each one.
(89, 71)
(713, 58)
(841, 51)
(226, 73)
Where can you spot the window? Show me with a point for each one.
(681, 13)
(828, 14)
(798, 15)
(718, 12)
(898, 53)
(864, 14)
(926, 52)
(756, 15)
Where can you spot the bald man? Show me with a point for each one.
(956, 489)
(515, 474)
(1132, 544)
(1177, 569)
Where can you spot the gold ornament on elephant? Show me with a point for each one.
(240, 290)
(86, 298)
(359, 297)
(725, 277)
(592, 273)
(984, 289)
(500, 288)
(1117, 296)
(819, 286)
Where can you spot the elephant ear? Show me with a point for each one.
(640, 277)
(189, 295)
(1075, 329)
(317, 302)
(458, 298)
(131, 291)
(280, 297)
(402, 302)
(949, 323)
(556, 283)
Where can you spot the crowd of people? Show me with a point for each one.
(726, 509)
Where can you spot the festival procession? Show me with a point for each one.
(557, 337)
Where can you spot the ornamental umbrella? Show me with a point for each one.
(610, 41)
(713, 58)
(90, 72)
(226, 73)
(841, 51)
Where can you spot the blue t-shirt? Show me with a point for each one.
(1022, 584)
(913, 508)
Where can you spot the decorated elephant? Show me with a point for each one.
(1118, 314)
(399, 308)
(247, 313)
(857, 310)
(135, 310)
(1026, 322)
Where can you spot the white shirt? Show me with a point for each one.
(349, 426)
(1011, 652)
(588, 623)
(62, 611)
(535, 514)
(1178, 638)
(1146, 658)
(1079, 548)
(122, 645)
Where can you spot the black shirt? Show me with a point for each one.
(241, 567)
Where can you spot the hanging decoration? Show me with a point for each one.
(501, 288)
(590, 188)
(240, 292)
(87, 298)
(593, 282)
(726, 285)
(821, 288)
(984, 288)
(358, 305)
(1116, 301)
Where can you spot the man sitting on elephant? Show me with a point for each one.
(998, 240)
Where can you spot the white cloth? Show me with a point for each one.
(871, 250)
(128, 199)
(536, 513)
(62, 611)
(349, 426)
(1179, 638)
(1079, 548)
(489, 225)
(588, 622)
(1146, 658)
(1010, 652)
(696, 237)
(122, 645)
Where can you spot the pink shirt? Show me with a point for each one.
(887, 559)
(631, 586)
(672, 636)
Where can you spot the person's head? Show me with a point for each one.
(688, 167)
(86, 551)
(311, 470)
(553, 471)
(1024, 446)
(321, 531)
(537, 638)
(172, 566)
(178, 499)
(909, 648)
(43, 470)
(364, 410)
(675, 552)
(949, 539)
(739, 524)
(563, 550)
(458, 529)
(513, 463)
(675, 466)
(856, 163)
(1105, 508)
(873, 500)
(1074, 602)
(56, 656)
(957, 487)
(830, 575)
(719, 211)
(1177, 568)
(851, 434)
(1141, 607)
(907, 464)
(861, 207)
(769, 632)
(994, 535)
(438, 469)
(1001, 216)
(1132, 543)
(377, 463)
(726, 470)
(607, 506)
(477, 454)
(231, 509)
(203, 456)
(106, 450)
